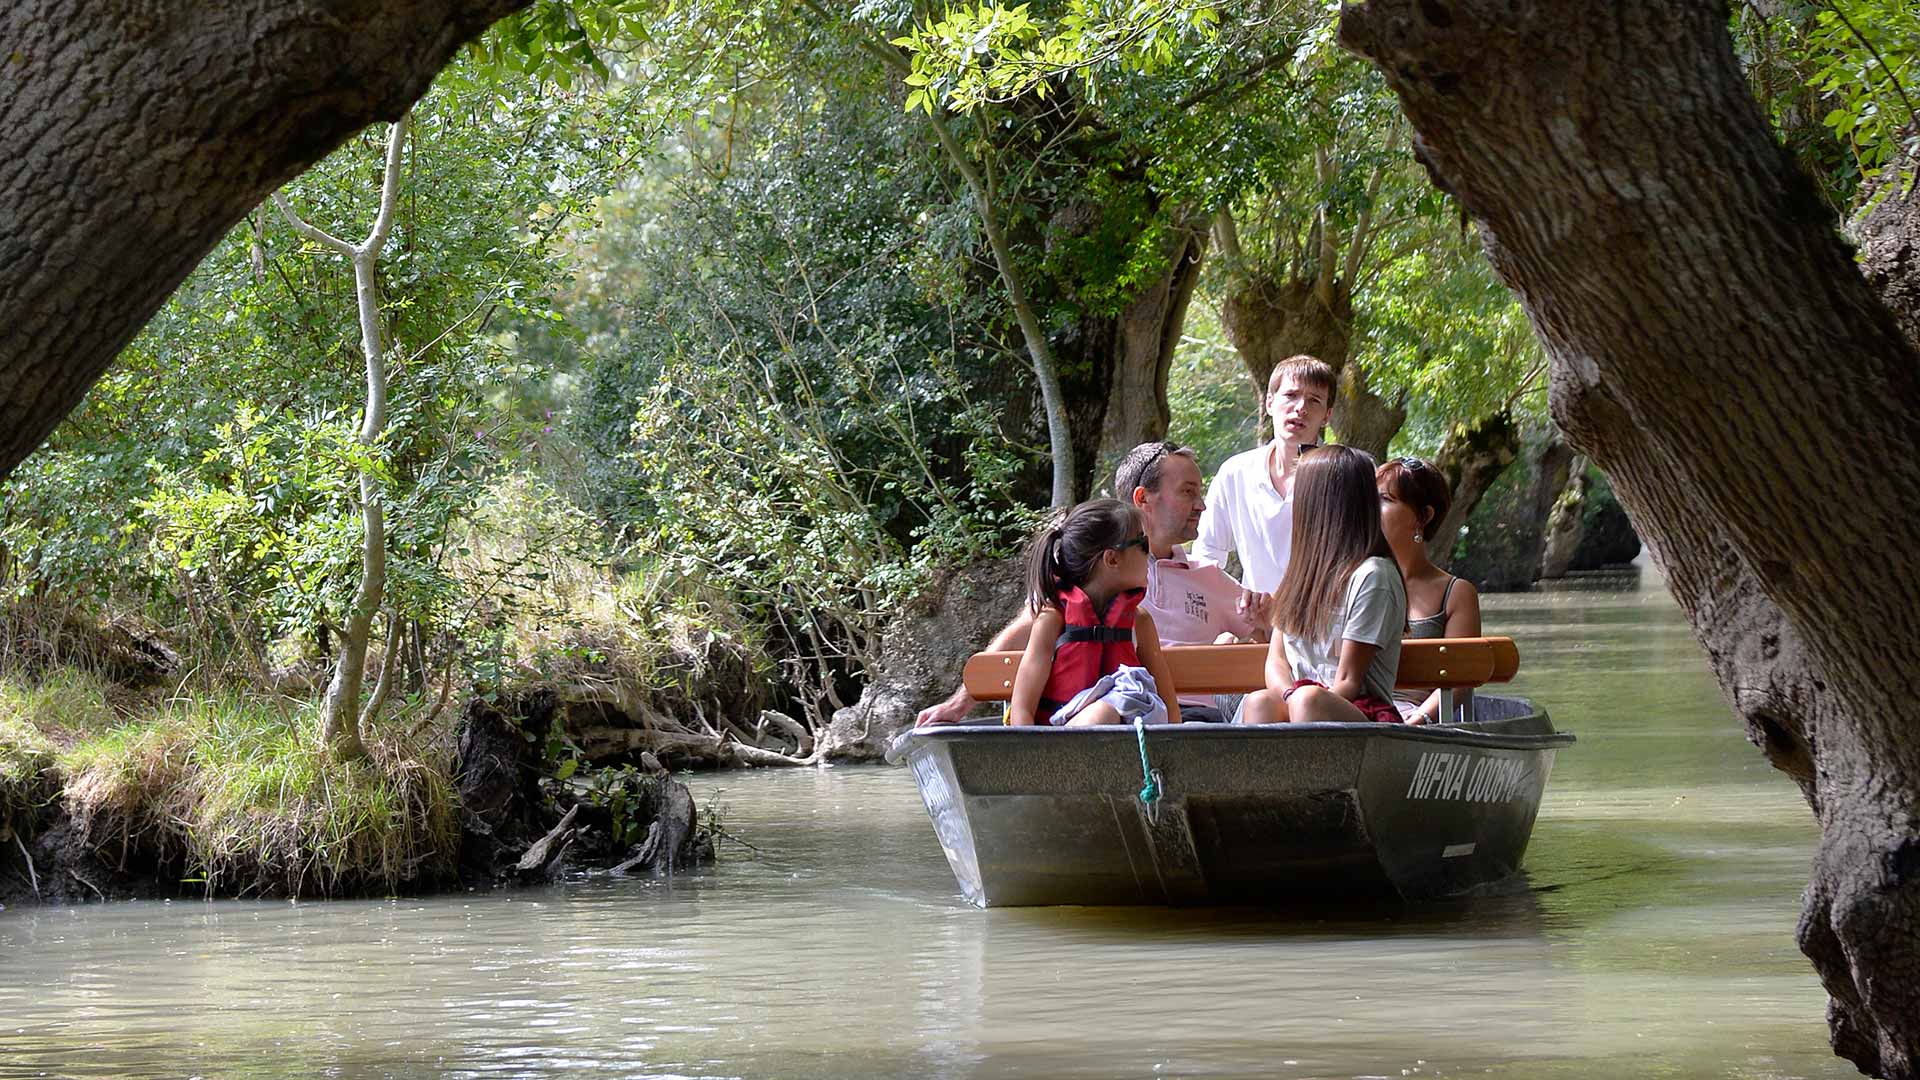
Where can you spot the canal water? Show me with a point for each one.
(1655, 939)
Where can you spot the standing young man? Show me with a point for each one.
(1250, 506)
(1191, 604)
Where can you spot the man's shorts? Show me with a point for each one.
(1222, 711)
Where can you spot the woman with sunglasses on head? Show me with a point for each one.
(1094, 656)
(1414, 499)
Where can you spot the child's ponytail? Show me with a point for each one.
(1063, 555)
(1043, 556)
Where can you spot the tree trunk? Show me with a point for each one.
(1693, 297)
(1114, 365)
(1565, 521)
(132, 136)
(340, 719)
(1136, 351)
(1363, 419)
(1889, 238)
(1268, 321)
(1472, 457)
(1046, 370)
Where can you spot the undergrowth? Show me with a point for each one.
(230, 790)
(36, 717)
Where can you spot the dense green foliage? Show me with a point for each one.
(1840, 80)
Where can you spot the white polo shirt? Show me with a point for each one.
(1245, 514)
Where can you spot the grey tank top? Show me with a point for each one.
(1434, 625)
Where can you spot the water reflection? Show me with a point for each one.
(1655, 936)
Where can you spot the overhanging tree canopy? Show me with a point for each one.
(131, 140)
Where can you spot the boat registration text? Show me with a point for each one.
(1469, 778)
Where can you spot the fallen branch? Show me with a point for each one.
(599, 742)
(754, 755)
(801, 734)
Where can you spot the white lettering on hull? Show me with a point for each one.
(1444, 776)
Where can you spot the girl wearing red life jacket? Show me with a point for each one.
(1093, 657)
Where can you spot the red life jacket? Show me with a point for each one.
(1090, 646)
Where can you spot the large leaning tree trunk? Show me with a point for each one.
(132, 136)
(1716, 351)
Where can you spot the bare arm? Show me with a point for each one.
(1279, 672)
(1463, 610)
(1035, 667)
(1350, 681)
(956, 707)
(1463, 620)
(1146, 641)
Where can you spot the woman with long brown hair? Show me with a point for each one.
(1342, 605)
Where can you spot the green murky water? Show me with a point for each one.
(1656, 940)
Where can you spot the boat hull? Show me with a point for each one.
(1246, 815)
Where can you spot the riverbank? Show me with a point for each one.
(112, 792)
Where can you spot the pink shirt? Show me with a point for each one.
(1192, 605)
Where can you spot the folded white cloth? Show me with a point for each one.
(1130, 690)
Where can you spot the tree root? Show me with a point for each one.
(32, 876)
(546, 851)
(649, 850)
(88, 884)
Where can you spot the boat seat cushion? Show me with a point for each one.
(1425, 664)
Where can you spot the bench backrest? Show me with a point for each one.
(1425, 664)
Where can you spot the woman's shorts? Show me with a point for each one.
(1129, 690)
(1380, 712)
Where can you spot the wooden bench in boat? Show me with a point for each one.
(1445, 664)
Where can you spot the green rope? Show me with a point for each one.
(1150, 793)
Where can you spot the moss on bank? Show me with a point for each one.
(229, 794)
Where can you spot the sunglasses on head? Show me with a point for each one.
(1411, 464)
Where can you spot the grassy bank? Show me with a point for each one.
(228, 793)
